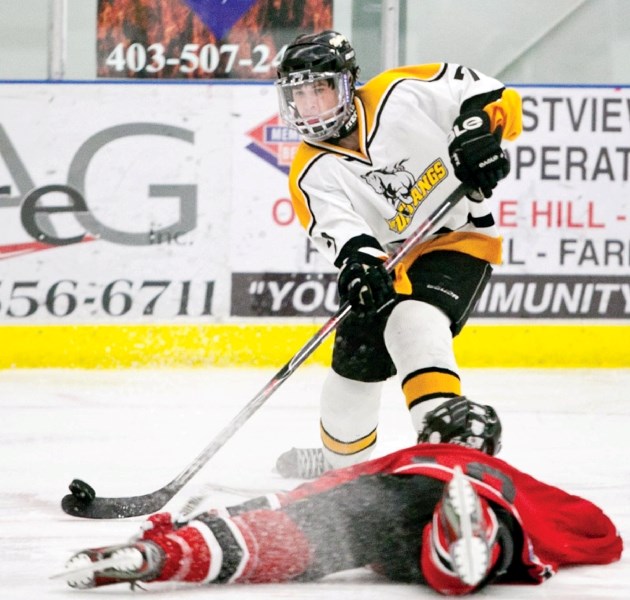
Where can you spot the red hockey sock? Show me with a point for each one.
(282, 551)
(256, 547)
(188, 555)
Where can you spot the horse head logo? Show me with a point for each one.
(393, 183)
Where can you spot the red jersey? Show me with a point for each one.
(557, 528)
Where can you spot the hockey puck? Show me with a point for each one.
(82, 491)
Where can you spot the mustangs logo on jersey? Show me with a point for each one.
(403, 190)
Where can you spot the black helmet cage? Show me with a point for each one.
(463, 422)
(310, 58)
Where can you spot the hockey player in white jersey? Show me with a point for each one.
(375, 161)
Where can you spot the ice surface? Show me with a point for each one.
(131, 432)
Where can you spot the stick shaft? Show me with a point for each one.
(133, 506)
(285, 372)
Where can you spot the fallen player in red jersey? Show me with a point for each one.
(445, 515)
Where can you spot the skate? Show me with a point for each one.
(464, 527)
(302, 463)
(129, 563)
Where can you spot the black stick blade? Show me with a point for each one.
(115, 508)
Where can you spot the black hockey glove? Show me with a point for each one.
(476, 154)
(365, 283)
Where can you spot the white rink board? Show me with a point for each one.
(156, 168)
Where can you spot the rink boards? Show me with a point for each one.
(153, 227)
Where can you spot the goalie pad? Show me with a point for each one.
(463, 422)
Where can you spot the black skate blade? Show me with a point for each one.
(114, 508)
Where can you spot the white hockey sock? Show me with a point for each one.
(419, 340)
(349, 417)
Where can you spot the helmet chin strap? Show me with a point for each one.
(347, 128)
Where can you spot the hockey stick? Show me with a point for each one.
(84, 503)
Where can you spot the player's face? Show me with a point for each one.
(314, 99)
(315, 104)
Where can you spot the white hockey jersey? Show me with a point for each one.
(402, 171)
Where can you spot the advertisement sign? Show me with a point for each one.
(201, 38)
(121, 211)
(153, 203)
(563, 213)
